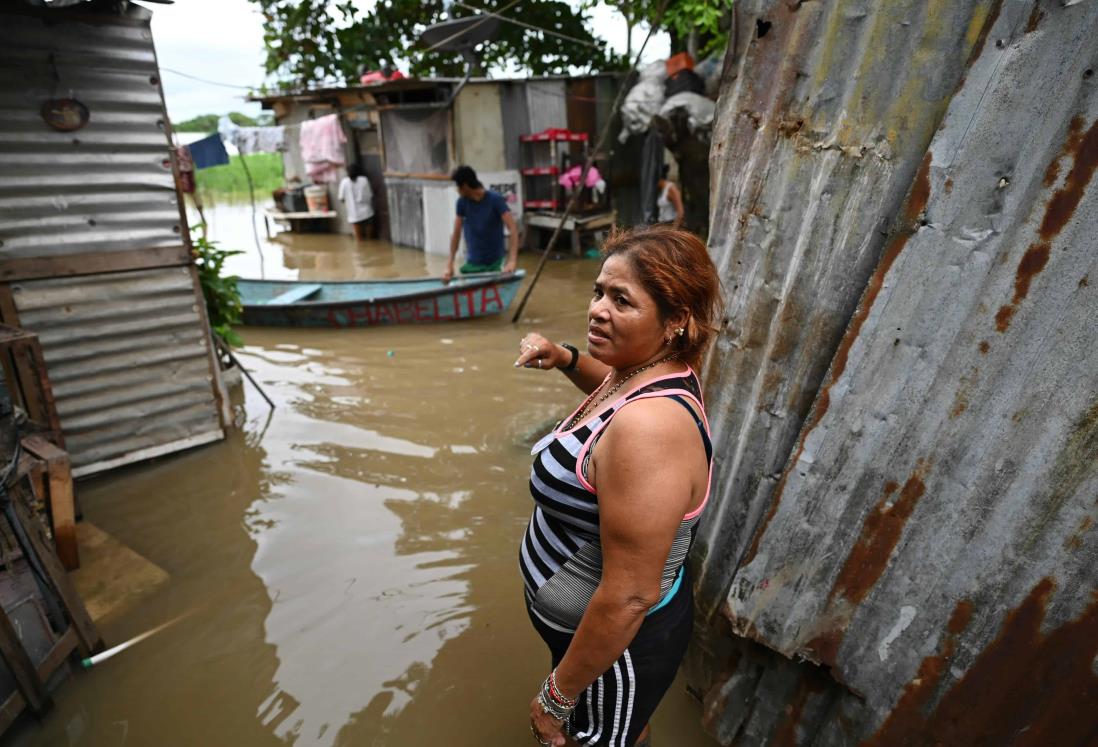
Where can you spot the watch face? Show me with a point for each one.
(65, 115)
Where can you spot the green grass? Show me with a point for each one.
(229, 181)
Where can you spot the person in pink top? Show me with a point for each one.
(618, 489)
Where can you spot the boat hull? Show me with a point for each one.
(383, 302)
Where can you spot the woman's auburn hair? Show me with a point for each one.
(674, 267)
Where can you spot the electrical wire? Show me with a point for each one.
(525, 25)
(466, 30)
(209, 82)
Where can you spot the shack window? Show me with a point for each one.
(416, 141)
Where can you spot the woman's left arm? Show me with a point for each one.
(643, 495)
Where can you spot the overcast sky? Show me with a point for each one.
(222, 40)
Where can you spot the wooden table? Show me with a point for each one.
(293, 219)
(575, 224)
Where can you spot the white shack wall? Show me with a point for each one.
(478, 130)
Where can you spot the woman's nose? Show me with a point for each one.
(597, 309)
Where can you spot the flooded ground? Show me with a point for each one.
(349, 562)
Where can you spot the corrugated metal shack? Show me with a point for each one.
(408, 140)
(94, 250)
(905, 393)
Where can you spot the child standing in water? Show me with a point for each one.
(358, 200)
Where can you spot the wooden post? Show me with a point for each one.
(22, 668)
(59, 498)
(86, 633)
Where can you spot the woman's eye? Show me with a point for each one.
(621, 300)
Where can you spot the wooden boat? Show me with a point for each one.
(299, 303)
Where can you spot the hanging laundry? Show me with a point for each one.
(250, 140)
(209, 151)
(322, 142)
(569, 179)
(185, 182)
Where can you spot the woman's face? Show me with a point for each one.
(623, 321)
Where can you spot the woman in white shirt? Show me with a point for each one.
(358, 200)
(669, 201)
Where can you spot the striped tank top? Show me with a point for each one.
(561, 556)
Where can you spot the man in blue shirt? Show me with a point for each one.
(481, 216)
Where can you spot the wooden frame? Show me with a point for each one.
(93, 263)
(81, 635)
(57, 492)
(28, 382)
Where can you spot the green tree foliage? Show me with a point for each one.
(707, 19)
(208, 122)
(314, 41)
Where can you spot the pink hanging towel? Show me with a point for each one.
(570, 178)
(322, 142)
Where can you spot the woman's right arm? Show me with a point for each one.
(587, 374)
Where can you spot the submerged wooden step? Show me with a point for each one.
(112, 577)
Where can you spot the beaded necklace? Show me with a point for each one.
(589, 406)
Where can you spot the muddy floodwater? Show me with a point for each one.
(347, 563)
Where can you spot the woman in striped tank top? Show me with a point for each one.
(618, 488)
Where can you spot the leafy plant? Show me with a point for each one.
(222, 296)
(701, 17)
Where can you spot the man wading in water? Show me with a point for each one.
(481, 215)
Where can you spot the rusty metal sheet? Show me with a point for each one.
(107, 186)
(930, 543)
(128, 361)
(825, 112)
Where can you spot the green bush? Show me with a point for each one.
(222, 295)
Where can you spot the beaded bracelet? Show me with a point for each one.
(553, 703)
(556, 694)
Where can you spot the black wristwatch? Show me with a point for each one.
(575, 357)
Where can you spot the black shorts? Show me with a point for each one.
(615, 708)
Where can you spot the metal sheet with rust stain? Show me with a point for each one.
(916, 541)
(821, 126)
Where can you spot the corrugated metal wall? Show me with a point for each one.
(546, 104)
(516, 121)
(127, 349)
(406, 210)
(925, 543)
(105, 188)
(128, 362)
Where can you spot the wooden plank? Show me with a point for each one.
(22, 668)
(8, 313)
(57, 655)
(280, 216)
(87, 635)
(59, 498)
(299, 293)
(412, 175)
(65, 265)
(10, 710)
(45, 404)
